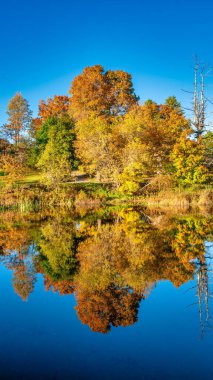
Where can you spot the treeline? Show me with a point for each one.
(102, 130)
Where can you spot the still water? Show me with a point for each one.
(106, 294)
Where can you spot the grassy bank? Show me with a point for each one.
(31, 194)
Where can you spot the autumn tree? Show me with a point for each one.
(13, 156)
(144, 141)
(13, 167)
(19, 117)
(103, 93)
(131, 149)
(4, 146)
(93, 140)
(188, 161)
(55, 106)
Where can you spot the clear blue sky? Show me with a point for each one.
(44, 44)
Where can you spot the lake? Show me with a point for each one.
(112, 293)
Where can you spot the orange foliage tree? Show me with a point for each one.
(53, 107)
(103, 93)
(19, 117)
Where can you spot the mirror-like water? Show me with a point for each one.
(116, 293)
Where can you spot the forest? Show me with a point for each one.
(102, 134)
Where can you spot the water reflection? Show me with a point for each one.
(111, 259)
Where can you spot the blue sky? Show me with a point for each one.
(45, 44)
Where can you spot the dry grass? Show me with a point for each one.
(181, 199)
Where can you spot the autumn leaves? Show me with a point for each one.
(102, 130)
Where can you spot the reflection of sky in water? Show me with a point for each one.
(43, 337)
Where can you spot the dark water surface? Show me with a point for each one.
(111, 294)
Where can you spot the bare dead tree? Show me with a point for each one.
(200, 100)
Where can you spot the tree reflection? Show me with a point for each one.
(111, 259)
(111, 307)
(23, 279)
(57, 254)
(134, 255)
(15, 246)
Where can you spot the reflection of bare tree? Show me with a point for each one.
(203, 292)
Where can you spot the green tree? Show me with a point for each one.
(57, 156)
(172, 102)
(57, 257)
(208, 150)
(188, 161)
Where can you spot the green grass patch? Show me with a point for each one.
(30, 178)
